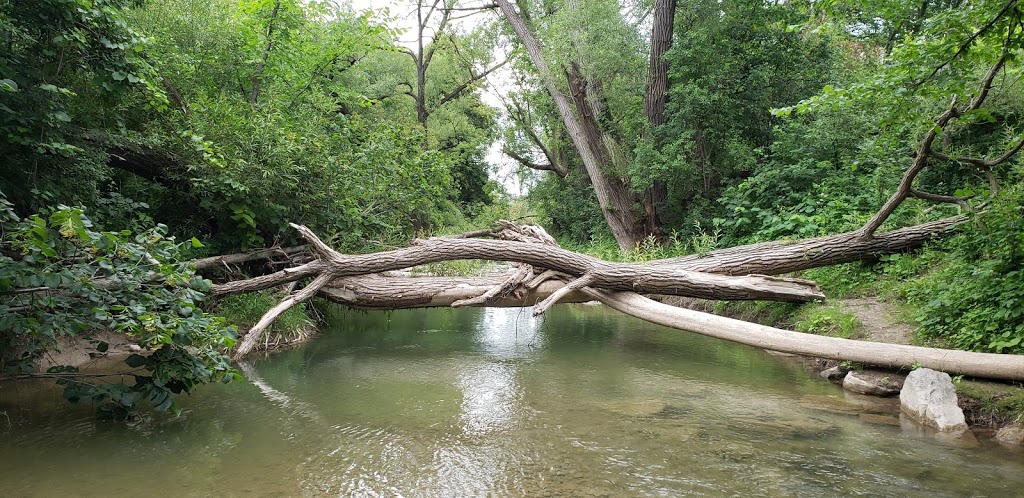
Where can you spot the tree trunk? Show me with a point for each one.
(595, 277)
(985, 365)
(257, 76)
(621, 221)
(654, 102)
(602, 274)
(778, 257)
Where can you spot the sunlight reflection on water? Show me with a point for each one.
(581, 402)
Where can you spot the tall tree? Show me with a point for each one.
(654, 100)
(580, 117)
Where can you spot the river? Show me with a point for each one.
(493, 402)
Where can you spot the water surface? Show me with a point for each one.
(493, 402)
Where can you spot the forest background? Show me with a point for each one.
(138, 136)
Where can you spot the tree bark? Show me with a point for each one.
(778, 257)
(654, 101)
(621, 222)
(603, 274)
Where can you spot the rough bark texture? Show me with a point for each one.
(622, 228)
(603, 274)
(654, 101)
(778, 257)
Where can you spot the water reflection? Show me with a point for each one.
(494, 402)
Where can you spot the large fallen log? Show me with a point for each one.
(600, 274)
(393, 292)
(787, 256)
(588, 271)
(348, 280)
(985, 365)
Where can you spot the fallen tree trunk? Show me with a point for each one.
(379, 292)
(348, 280)
(601, 274)
(245, 257)
(986, 365)
(388, 292)
(588, 271)
(778, 257)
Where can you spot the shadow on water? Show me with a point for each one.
(469, 402)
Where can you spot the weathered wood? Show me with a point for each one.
(778, 257)
(986, 365)
(244, 257)
(377, 292)
(605, 275)
(391, 292)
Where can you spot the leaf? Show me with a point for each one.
(8, 85)
(102, 347)
(195, 243)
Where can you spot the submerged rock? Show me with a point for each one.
(929, 397)
(834, 374)
(872, 382)
(1011, 435)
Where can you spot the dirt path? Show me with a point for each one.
(877, 321)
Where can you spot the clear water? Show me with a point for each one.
(491, 402)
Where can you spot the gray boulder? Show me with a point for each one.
(872, 383)
(1011, 435)
(834, 374)
(929, 397)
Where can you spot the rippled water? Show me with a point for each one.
(492, 402)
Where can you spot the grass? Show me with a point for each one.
(991, 404)
(829, 320)
(455, 268)
(244, 310)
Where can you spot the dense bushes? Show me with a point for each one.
(61, 276)
(974, 299)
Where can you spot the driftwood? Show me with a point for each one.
(548, 274)
(378, 292)
(331, 265)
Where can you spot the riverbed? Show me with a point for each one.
(493, 402)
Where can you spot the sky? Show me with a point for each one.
(403, 13)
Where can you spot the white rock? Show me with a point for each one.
(930, 398)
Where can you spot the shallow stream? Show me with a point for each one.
(492, 402)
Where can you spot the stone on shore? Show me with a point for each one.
(872, 383)
(929, 397)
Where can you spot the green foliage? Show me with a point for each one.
(995, 404)
(828, 320)
(729, 65)
(975, 298)
(246, 309)
(63, 63)
(59, 277)
(846, 280)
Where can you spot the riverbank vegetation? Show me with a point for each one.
(138, 136)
